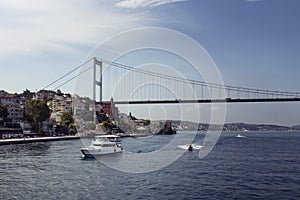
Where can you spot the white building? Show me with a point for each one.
(15, 107)
(15, 113)
(60, 104)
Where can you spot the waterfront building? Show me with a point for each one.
(15, 113)
(15, 106)
(110, 109)
(78, 105)
(3, 93)
(13, 100)
(60, 104)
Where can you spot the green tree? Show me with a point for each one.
(147, 122)
(3, 112)
(90, 125)
(66, 119)
(74, 127)
(36, 112)
(108, 126)
(27, 94)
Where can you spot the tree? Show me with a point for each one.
(147, 122)
(37, 111)
(59, 93)
(66, 119)
(73, 128)
(108, 126)
(90, 125)
(27, 94)
(3, 112)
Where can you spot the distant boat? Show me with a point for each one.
(103, 145)
(240, 136)
(190, 147)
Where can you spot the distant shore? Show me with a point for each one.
(57, 138)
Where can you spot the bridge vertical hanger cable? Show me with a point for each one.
(176, 83)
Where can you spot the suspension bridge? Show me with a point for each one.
(133, 85)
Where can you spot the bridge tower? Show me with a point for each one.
(96, 83)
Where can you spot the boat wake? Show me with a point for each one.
(186, 146)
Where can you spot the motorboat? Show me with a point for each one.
(103, 145)
(239, 136)
(190, 147)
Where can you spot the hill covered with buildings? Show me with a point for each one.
(68, 113)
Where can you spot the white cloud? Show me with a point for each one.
(143, 3)
(32, 26)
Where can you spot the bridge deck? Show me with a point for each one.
(227, 100)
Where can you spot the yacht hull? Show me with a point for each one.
(98, 152)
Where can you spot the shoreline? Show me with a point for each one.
(37, 139)
(57, 138)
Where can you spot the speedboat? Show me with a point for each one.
(240, 136)
(190, 147)
(103, 145)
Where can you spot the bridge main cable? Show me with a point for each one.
(65, 75)
(202, 83)
(227, 88)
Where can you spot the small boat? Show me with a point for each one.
(190, 148)
(240, 136)
(103, 145)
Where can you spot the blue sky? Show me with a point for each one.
(255, 43)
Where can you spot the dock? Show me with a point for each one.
(36, 139)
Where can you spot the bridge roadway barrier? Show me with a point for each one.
(37, 139)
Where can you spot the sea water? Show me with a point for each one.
(261, 165)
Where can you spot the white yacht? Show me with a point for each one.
(103, 145)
